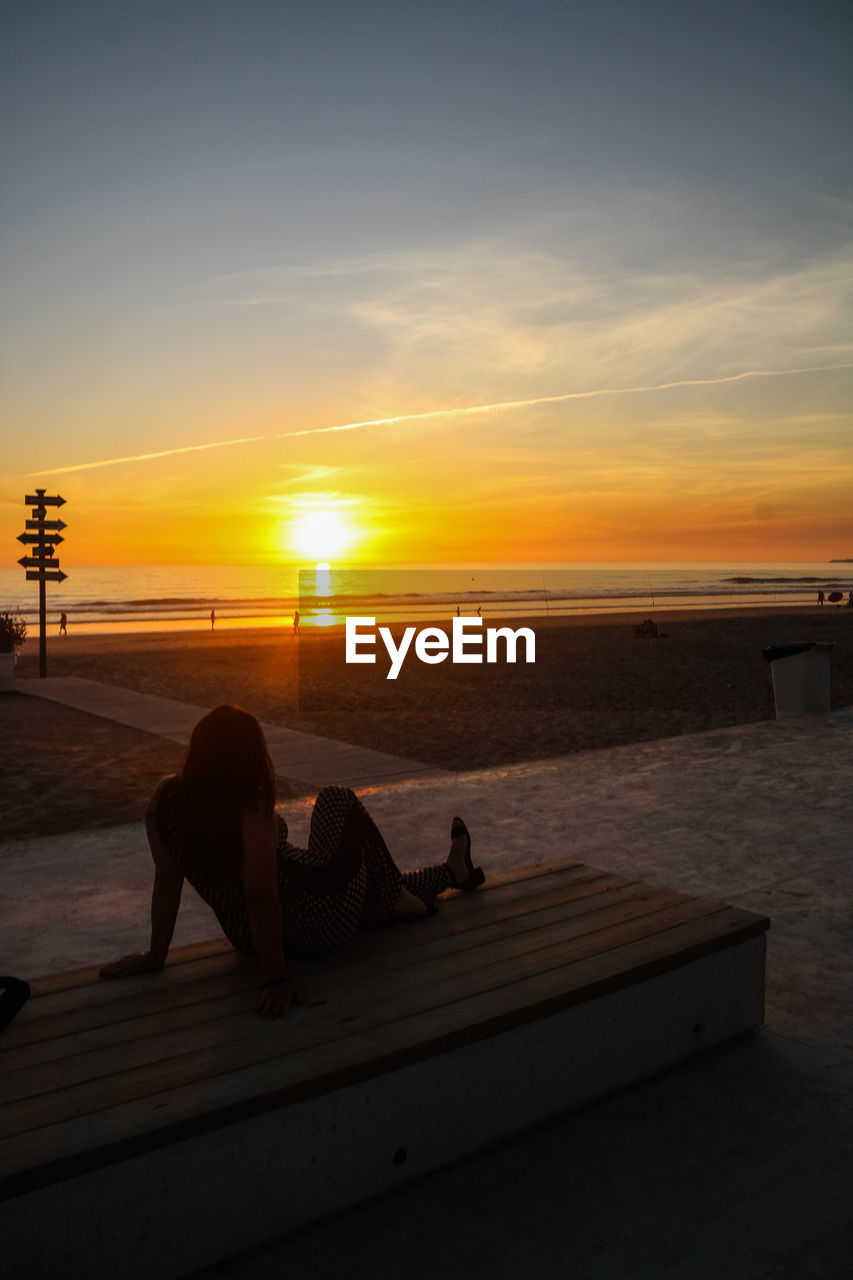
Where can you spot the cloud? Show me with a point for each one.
(449, 412)
(311, 475)
(493, 316)
(596, 297)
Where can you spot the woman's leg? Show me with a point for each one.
(426, 884)
(429, 882)
(323, 888)
(348, 861)
(389, 891)
(346, 871)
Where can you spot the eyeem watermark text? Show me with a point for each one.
(432, 645)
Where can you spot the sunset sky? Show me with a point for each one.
(619, 230)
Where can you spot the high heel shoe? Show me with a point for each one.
(476, 875)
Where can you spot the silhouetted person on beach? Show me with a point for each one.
(212, 618)
(820, 598)
(296, 623)
(63, 625)
(215, 824)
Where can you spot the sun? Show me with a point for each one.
(322, 535)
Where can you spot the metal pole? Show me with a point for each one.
(42, 630)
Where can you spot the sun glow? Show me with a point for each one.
(321, 535)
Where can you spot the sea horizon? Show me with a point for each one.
(107, 599)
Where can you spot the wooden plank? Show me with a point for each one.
(546, 873)
(63, 1010)
(438, 984)
(60, 1062)
(65, 986)
(145, 994)
(65, 1149)
(74, 979)
(460, 928)
(535, 914)
(108, 1029)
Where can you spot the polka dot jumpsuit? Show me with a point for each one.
(344, 881)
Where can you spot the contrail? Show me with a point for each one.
(442, 413)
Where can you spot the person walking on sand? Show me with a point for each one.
(63, 625)
(214, 823)
(820, 598)
(296, 623)
(212, 618)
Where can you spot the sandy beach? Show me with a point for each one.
(594, 684)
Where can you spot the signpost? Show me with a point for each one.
(41, 564)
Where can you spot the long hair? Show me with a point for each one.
(227, 770)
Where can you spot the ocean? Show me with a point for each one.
(168, 597)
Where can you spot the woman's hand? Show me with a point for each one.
(127, 966)
(277, 997)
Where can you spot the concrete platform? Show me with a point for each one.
(304, 757)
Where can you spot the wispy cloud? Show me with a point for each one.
(492, 313)
(309, 475)
(449, 412)
(595, 298)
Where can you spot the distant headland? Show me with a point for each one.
(849, 560)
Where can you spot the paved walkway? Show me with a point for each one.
(302, 757)
(737, 1164)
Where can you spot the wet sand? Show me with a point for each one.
(594, 684)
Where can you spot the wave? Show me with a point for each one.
(343, 601)
(202, 602)
(789, 581)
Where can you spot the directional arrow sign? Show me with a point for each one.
(42, 562)
(40, 552)
(46, 524)
(41, 539)
(44, 575)
(43, 500)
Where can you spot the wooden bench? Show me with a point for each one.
(157, 1125)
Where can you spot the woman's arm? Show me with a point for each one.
(168, 883)
(259, 873)
(165, 901)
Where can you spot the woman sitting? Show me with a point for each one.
(215, 824)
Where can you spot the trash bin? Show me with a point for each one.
(801, 672)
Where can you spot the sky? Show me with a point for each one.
(261, 259)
